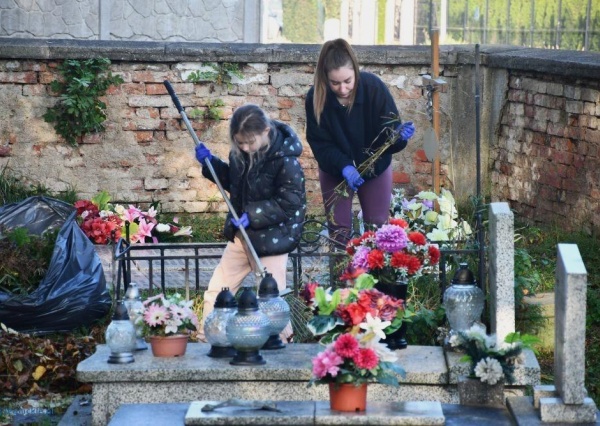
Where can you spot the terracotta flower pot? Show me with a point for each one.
(347, 397)
(169, 346)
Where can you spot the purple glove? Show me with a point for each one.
(202, 153)
(405, 130)
(242, 222)
(352, 177)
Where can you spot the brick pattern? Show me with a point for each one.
(545, 161)
(146, 152)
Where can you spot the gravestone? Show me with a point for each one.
(502, 270)
(567, 400)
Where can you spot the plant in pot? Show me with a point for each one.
(491, 363)
(167, 322)
(351, 323)
(393, 254)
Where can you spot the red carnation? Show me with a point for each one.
(346, 346)
(399, 222)
(434, 254)
(417, 238)
(375, 259)
(366, 358)
(414, 264)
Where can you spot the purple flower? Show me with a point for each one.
(359, 260)
(391, 238)
(406, 204)
(428, 204)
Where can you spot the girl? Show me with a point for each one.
(346, 113)
(266, 186)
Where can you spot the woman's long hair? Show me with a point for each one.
(249, 121)
(334, 54)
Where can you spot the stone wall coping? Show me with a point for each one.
(567, 63)
(427, 365)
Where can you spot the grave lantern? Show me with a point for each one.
(215, 325)
(274, 307)
(120, 336)
(248, 330)
(463, 300)
(135, 307)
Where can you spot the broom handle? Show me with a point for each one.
(214, 175)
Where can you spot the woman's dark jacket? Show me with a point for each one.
(272, 193)
(348, 138)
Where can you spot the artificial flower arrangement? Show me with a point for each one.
(167, 315)
(103, 222)
(421, 215)
(351, 322)
(489, 361)
(393, 252)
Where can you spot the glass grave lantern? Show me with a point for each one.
(248, 330)
(215, 325)
(463, 301)
(274, 307)
(120, 336)
(135, 307)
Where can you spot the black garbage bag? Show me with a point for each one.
(73, 292)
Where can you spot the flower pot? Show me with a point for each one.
(348, 397)
(169, 346)
(472, 391)
(399, 290)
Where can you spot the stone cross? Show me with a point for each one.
(502, 270)
(567, 401)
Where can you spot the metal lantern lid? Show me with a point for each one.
(120, 313)
(268, 287)
(225, 299)
(464, 276)
(248, 301)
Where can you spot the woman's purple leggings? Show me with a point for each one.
(374, 196)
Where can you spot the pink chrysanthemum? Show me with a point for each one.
(326, 362)
(360, 259)
(391, 238)
(346, 346)
(155, 315)
(366, 358)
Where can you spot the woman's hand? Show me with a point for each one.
(353, 178)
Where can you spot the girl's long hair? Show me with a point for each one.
(249, 121)
(334, 54)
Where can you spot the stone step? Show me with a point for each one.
(431, 375)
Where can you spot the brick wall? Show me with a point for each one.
(539, 121)
(545, 161)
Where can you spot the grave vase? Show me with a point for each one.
(169, 346)
(348, 397)
(398, 290)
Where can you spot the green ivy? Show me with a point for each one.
(79, 110)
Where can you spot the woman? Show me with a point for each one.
(349, 116)
(266, 186)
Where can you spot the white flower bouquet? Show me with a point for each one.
(490, 361)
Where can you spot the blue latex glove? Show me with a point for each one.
(405, 130)
(202, 153)
(242, 222)
(352, 177)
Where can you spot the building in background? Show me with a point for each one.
(555, 24)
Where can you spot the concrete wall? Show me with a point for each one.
(147, 154)
(170, 20)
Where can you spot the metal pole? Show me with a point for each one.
(214, 175)
(588, 12)
(435, 72)
(477, 121)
